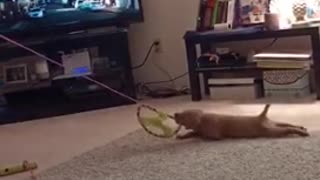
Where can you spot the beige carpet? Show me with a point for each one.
(139, 156)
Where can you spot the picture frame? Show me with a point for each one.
(252, 12)
(15, 74)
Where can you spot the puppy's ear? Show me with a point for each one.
(196, 116)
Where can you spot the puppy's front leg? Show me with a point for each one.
(187, 135)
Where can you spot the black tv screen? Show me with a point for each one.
(52, 16)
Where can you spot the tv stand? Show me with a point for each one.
(58, 93)
(77, 32)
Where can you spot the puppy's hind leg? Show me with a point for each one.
(285, 131)
(280, 124)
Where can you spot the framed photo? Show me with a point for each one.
(14, 74)
(313, 9)
(252, 12)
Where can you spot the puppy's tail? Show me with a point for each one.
(265, 111)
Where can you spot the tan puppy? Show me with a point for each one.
(218, 126)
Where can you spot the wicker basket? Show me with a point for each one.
(286, 83)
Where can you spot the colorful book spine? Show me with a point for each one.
(213, 12)
(205, 15)
(209, 14)
(219, 9)
(224, 12)
(201, 15)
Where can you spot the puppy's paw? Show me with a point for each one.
(180, 137)
(305, 133)
(302, 128)
(186, 136)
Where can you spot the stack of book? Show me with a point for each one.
(216, 14)
(283, 60)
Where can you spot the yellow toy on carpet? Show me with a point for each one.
(19, 168)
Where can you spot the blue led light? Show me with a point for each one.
(81, 70)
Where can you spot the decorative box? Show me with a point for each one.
(286, 83)
(233, 89)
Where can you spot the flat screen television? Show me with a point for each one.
(39, 17)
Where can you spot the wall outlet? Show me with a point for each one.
(158, 46)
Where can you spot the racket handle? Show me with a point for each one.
(25, 166)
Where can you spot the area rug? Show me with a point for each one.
(139, 156)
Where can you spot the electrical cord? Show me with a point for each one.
(166, 81)
(163, 92)
(144, 88)
(268, 45)
(164, 71)
(146, 57)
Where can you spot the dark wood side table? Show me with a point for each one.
(204, 39)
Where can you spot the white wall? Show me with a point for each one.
(168, 20)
